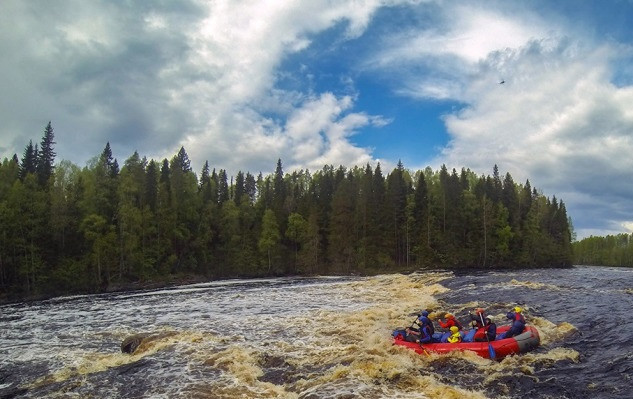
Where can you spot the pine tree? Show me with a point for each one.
(279, 196)
(379, 242)
(151, 185)
(29, 161)
(363, 217)
(421, 230)
(206, 187)
(182, 161)
(510, 200)
(341, 231)
(250, 187)
(223, 188)
(497, 186)
(46, 157)
(296, 233)
(239, 188)
(396, 202)
(269, 239)
(106, 173)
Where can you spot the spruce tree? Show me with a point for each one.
(223, 188)
(250, 187)
(397, 192)
(205, 186)
(182, 161)
(46, 156)
(239, 188)
(29, 160)
(421, 229)
(279, 196)
(151, 185)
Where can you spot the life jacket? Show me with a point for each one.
(519, 317)
(451, 322)
(480, 334)
(455, 338)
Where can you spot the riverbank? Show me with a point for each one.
(190, 278)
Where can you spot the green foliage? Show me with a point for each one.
(297, 234)
(268, 243)
(92, 229)
(611, 250)
(46, 157)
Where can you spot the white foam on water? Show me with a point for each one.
(276, 338)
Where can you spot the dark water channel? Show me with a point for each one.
(597, 301)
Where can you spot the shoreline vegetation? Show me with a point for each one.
(610, 250)
(184, 280)
(68, 230)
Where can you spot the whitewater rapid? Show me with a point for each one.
(325, 337)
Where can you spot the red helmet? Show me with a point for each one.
(479, 310)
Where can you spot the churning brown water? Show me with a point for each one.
(324, 337)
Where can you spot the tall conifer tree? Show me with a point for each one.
(46, 156)
(29, 160)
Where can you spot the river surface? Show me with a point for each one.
(326, 337)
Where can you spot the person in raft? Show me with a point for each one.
(451, 321)
(425, 319)
(479, 324)
(455, 336)
(517, 326)
(477, 319)
(518, 315)
(423, 334)
(491, 328)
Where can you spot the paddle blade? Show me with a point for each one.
(491, 351)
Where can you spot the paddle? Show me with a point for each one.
(491, 350)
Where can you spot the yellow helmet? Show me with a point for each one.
(517, 309)
(449, 316)
(454, 329)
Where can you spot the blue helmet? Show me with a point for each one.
(423, 319)
(510, 315)
(424, 313)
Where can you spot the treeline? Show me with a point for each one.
(67, 229)
(605, 251)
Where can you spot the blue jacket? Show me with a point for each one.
(491, 330)
(425, 334)
(518, 324)
(424, 320)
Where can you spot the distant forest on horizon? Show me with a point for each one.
(610, 250)
(66, 229)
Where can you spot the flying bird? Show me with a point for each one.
(502, 82)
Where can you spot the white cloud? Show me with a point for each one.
(448, 50)
(153, 77)
(557, 120)
(316, 133)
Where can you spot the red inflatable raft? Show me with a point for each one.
(524, 342)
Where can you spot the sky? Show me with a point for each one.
(542, 89)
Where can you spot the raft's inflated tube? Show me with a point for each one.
(524, 342)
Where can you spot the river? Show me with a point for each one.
(325, 337)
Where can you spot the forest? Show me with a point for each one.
(611, 250)
(66, 229)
